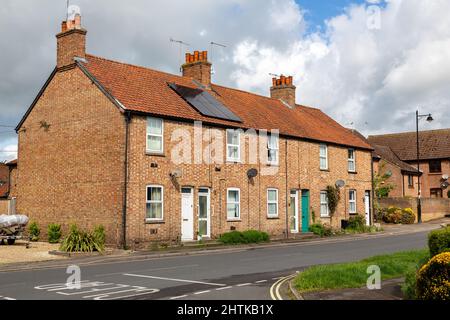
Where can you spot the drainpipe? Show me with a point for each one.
(372, 204)
(287, 186)
(124, 209)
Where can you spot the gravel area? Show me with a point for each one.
(37, 251)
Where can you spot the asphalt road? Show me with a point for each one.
(237, 275)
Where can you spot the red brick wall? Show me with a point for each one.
(432, 180)
(303, 173)
(72, 172)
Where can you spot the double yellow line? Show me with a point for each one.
(275, 288)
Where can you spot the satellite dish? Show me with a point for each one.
(445, 177)
(340, 183)
(445, 185)
(252, 173)
(72, 11)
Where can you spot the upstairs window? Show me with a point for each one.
(435, 166)
(273, 149)
(352, 201)
(351, 160)
(155, 135)
(410, 181)
(233, 146)
(323, 157)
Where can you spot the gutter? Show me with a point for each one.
(125, 191)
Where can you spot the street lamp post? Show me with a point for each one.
(419, 195)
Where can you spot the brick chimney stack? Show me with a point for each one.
(71, 42)
(283, 89)
(198, 67)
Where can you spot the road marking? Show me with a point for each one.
(224, 288)
(275, 289)
(173, 279)
(243, 284)
(278, 278)
(150, 270)
(7, 298)
(202, 292)
(179, 297)
(261, 281)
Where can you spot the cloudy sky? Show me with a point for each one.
(369, 64)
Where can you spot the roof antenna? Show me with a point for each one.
(67, 10)
(274, 75)
(181, 44)
(212, 43)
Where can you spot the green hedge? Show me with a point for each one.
(321, 230)
(54, 233)
(439, 241)
(250, 236)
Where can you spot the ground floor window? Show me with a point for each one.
(233, 204)
(436, 193)
(324, 210)
(154, 203)
(352, 201)
(272, 203)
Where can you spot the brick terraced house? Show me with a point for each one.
(101, 144)
(434, 160)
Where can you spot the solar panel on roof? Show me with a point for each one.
(204, 103)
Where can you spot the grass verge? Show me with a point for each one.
(354, 274)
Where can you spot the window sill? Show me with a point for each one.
(155, 154)
(234, 220)
(435, 173)
(154, 221)
(234, 161)
(325, 217)
(273, 218)
(325, 170)
(353, 172)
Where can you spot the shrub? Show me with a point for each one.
(439, 241)
(253, 236)
(357, 223)
(54, 233)
(80, 241)
(100, 235)
(379, 214)
(34, 232)
(408, 216)
(250, 236)
(321, 230)
(393, 215)
(433, 279)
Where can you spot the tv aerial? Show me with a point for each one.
(211, 51)
(181, 44)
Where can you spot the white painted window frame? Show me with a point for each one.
(155, 135)
(323, 157)
(154, 201)
(272, 148)
(352, 161)
(327, 215)
(238, 203)
(272, 202)
(231, 145)
(350, 201)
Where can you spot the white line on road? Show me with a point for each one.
(150, 270)
(224, 288)
(173, 279)
(278, 278)
(243, 284)
(179, 297)
(202, 292)
(261, 281)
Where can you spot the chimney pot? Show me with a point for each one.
(198, 67)
(283, 89)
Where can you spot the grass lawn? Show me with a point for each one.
(354, 274)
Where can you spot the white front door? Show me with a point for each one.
(204, 226)
(293, 211)
(187, 214)
(367, 205)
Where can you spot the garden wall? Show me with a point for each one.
(432, 208)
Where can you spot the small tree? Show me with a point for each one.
(334, 195)
(381, 187)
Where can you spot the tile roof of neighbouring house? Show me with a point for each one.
(386, 153)
(145, 90)
(434, 144)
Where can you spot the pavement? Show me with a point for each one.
(230, 274)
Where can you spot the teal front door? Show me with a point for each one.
(305, 210)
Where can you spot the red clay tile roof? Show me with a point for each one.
(434, 144)
(386, 153)
(145, 90)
